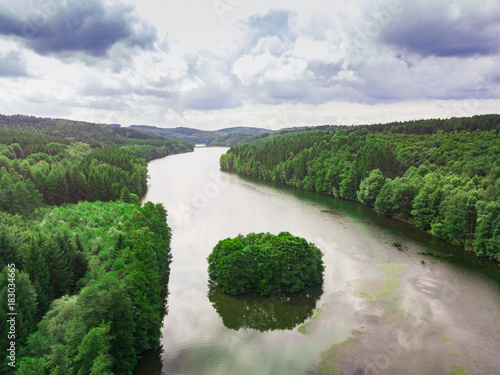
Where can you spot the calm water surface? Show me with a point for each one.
(381, 310)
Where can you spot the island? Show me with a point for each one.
(265, 264)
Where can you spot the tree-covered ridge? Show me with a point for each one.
(49, 136)
(265, 264)
(221, 137)
(74, 130)
(441, 175)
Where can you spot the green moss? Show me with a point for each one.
(365, 295)
(355, 332)
(445, 339)
(317, 312)
(391, 270)
(328, 358)
(383, 287)
(457, 370)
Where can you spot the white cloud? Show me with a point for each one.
(266, 67)
(325, 51)
(272, 44)
(323, 61)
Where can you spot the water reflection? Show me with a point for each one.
(354, 240)
(150, 362)
(264, 313)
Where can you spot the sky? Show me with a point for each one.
(211, 64)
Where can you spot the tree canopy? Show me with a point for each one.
(265, 264)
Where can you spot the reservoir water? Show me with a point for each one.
(394, 300)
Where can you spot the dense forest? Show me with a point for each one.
(89, 264)
(443, 176)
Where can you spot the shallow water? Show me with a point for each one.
(380, 310)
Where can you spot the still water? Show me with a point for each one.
(382, 309)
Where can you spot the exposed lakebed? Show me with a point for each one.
(381, 309)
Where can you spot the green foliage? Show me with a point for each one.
(426, 204)
(93, 351)
(488, 231)
(90, 277)
(25, 307)
(36, 266)
(116, 258)
(348, 185)
(441, 175)
(265, 264)
(18, 194)
(125, 195)
(383, 204)
(370, 188)
(402, 197)
(42, 161)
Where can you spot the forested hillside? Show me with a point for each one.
(86, 265)
(222, 137)
(441, 175)
(74, 130)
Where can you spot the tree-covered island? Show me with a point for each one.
(265, 264)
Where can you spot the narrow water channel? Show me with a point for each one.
(383, 308)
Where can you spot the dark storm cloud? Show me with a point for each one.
(9, 25)
(433, 31)
(12, 65)
(75, 26)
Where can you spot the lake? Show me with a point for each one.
(394, 300)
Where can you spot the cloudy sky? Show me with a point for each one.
(271, 63)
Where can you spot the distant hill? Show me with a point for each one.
(81, 131)
(243, 129)
(36, 134)
(222, 137)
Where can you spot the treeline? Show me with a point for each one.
(89, 265)
(73, 130)
(441, 175)
(222, 137)
(232, 139)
